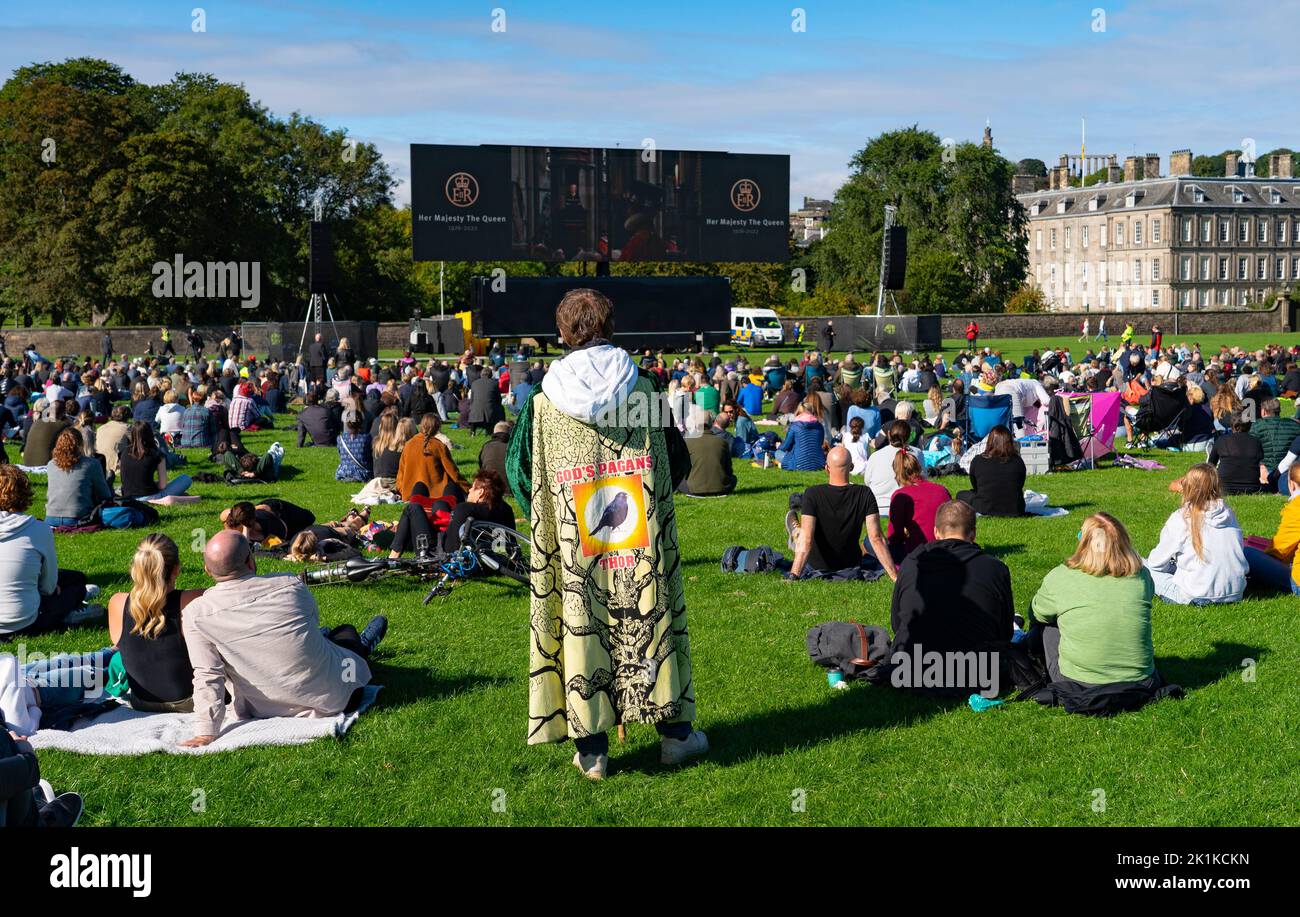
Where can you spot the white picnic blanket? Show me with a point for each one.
(133, 732)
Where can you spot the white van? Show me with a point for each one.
(756, 328)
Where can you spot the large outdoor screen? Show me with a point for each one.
(500, 203)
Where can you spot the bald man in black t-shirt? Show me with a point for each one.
(832, 518)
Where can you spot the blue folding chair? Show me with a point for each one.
(984, 412)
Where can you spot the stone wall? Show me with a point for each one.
(64, 342)
(1066, 324)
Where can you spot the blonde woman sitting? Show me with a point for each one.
(145, 626)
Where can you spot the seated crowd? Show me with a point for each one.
(253, 645)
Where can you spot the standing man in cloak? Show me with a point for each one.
(593, 461)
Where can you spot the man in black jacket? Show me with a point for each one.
(316, 360)
(485, 409)
(950, 599)
(317, 422)
(492, 457)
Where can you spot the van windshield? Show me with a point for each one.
(767, 322)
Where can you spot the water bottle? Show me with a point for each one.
(834, 678)
(767, 458)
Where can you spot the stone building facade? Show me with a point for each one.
(1142, 242)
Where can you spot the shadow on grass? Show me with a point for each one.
(775, 732)
(403, 686)
(1224, 659)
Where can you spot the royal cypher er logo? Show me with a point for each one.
(462, 189)
(745, 195)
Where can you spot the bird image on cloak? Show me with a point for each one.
(607, 615)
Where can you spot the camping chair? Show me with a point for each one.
(883, 382)
(1159, 412)
(983, 413)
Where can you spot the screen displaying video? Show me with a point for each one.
(497, 203)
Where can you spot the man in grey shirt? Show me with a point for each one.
(262, 635)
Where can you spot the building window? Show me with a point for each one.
(1052, 240)
(1137, 270)
(1083, 236)
(1223, 268)
(1261, 269)
(1155, 230)
(1243, 298)
(1185, 268)
(1203, 297)
(1119, 233)
(1119, 271)
(1038, 240)
(1205, 267)
(1207, 230)
(1243, 230)
(1052, 280)
(1295, 231)
(1187, 229)
(1067, 237)
(1262, 234)
(1295, 268)
(1137, 232)
(1280, 273)
(1103, 235)
(1225, 296)
(1243, 269)
(1155, 269)
(1155, 298)
(1281, 232)
(1225, 229)
(1182, 299)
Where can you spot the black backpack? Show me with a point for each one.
(736, 559)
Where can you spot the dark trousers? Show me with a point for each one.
(1052, 650)
(346, 636)
(70, 595)
(598, 744)
(415, 531)
(18, 811)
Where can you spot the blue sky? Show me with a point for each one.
(1163, 75)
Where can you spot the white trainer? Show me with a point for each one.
(593, 767)
(675, 751)
(86, 614)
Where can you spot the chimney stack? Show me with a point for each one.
(1151, 166)
(1130, 168)
(1114, 174)
(1180, 162)
(1231, 164)
(1279, 165)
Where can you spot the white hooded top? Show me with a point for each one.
(591, 382)
(1221, 575)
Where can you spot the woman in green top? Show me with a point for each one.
(1095, 610)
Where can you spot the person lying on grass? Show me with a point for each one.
(430, 523)
(262, 634)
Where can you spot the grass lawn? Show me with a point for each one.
(446, 739)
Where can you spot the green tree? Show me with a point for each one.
(956, 201)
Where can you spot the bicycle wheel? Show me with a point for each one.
(501, 549)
